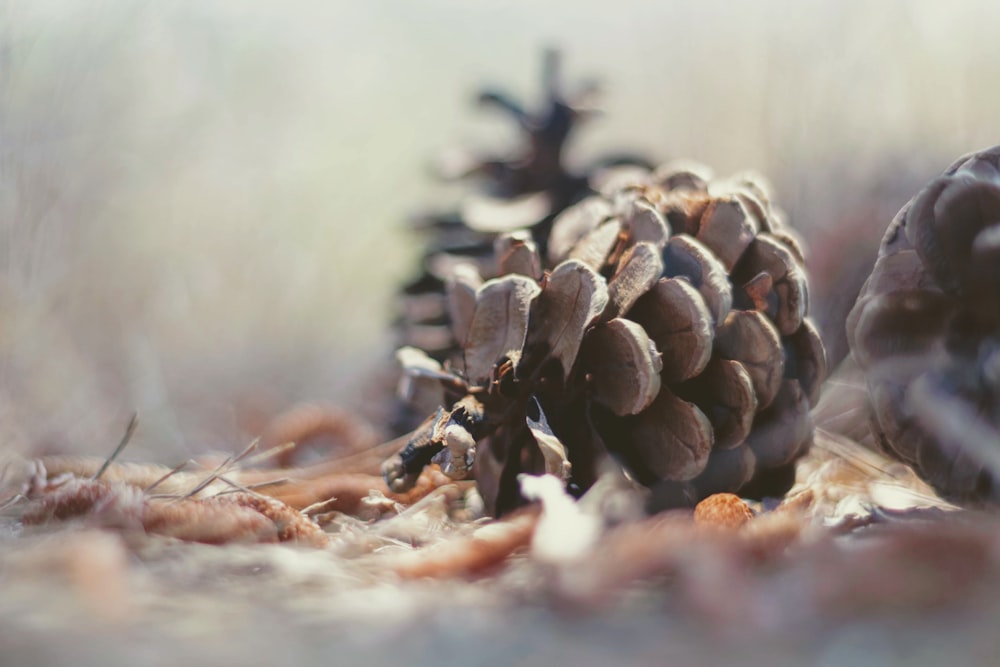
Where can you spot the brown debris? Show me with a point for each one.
(220, 519)
(341, 430)
(347, 492)
(486, 549)
(724, 510)
(209, 521)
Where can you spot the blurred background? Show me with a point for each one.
(202, 204)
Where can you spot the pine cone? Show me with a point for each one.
(926, 332)
(524, 190)
(669, 338)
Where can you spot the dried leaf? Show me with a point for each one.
(483, 213)
(677, 320)
(553, 450)
(748, 337)
(499, 324)
(688, 257)
(672, 438)
(639, 268)
(573, 224)
(623, 366)
(565, 532)
(573, 298)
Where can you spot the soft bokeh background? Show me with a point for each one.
(201, 203)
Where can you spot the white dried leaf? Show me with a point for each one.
(564, 531)
(553, 450)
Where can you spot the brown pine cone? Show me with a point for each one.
(926, 332)
(522, 190)
(670, 339)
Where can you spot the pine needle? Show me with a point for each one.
(13, 500)
(129, 430)
(247, 488)
(173, 471)
(270, 453)
(214, 475)
(222, 468)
